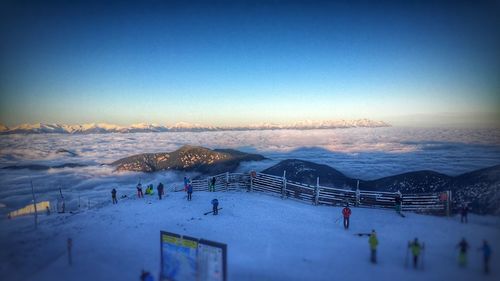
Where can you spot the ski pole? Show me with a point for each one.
(337, 220)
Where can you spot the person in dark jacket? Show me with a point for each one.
(464, 211)
(463, 246)
(346, 212)
(139, 191)
(113, 196)
(160, 190)
(212, 184)
(415, 248)
(397, 203)
(486, 249)
(373, 242)
(215, 206)
(189, 191)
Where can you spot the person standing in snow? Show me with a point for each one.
(160, 190)
(346, 212)
(397, 202)
(215, 206)
(464, 211)
(415, 248)
(139, 191)
(373, 241)
(189, 191)
(486, 249)
(212, 184)
(113, 196)
(462, 255)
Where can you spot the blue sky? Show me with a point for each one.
(423, 63)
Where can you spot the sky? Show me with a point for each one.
(417, 63)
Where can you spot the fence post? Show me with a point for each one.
(34, 205)
(283, 189)
(251, 181)
(227, 181)
(358, 195)
(448, 203)
(316, 192)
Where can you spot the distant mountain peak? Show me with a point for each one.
(92, 128)
(186, 158)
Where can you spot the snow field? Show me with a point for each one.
(268, 238)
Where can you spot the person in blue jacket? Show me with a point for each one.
(215, 206)
(486, 249)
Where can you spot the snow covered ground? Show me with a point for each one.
(268, 239)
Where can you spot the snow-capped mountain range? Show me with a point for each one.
(93, 128)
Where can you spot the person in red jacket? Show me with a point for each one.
(346, 212)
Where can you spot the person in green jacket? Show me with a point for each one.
(373, 241)
(415, 248)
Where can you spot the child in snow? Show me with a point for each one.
(160, 190)
(215, 206)
(212, 184)
(139, 191)
(113, 196)
(415, 250)
(486, 249)
(346, 212)
(462, 255)
(373, 241)
(464, 210)
(190, 191)
(149, 190)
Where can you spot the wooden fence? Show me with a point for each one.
(435, 203)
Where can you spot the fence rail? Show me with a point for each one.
(436, 203)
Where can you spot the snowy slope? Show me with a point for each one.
(268, 239)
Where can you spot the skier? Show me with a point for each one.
(397, 203)
(160, 190)
(215, 206)
(373, 241)
(486, 249)
(462, 256)
(415, 250)
(146, 276)
(212, 184)
(139, 191)
(113, 196)
(189, 191)
(346, 212)
(464, 210)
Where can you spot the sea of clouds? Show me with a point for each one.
(365, 153)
